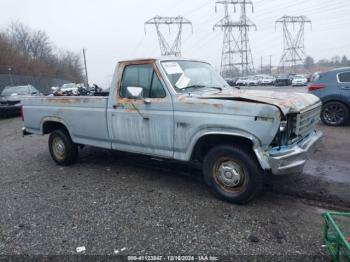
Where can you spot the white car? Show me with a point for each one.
(242, 81)
(253, 81)
(268, 80)
(299, 80)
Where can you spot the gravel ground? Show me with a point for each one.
(114, 202)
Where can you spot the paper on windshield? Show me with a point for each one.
(182, 82)
(172, 68)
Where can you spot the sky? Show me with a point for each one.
(113, 30)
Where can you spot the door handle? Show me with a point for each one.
(346, 87)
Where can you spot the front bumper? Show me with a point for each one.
(9, 110)
(292, 159)
(299, 84)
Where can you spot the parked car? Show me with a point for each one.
(7, 110)
(333, 88)
(242, 81)
(282, 80)
(253, 81)
(299, 80)
(183, 110)
(14, 94)
(10, 99)
(268, 80)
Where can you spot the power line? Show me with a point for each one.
(293, 44)
(165, 47)
(236, 57)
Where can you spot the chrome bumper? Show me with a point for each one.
(292, 159)
(25, 132)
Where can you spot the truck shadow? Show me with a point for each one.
(301, 186)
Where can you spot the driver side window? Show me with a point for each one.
(142, 76)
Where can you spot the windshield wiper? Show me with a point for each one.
(203, 86)
(192, 86)
(215, 87)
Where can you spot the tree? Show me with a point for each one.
(336, 60)
(344, 61)
(30, 52)
(324, 62)
(309, 62)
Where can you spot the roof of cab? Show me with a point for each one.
(163, 58)
(339, 70)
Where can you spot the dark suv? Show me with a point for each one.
(333, 88)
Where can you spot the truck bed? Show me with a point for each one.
(84, 116)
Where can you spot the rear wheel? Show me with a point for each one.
(334, 114)
(232, 174)
(62, 149)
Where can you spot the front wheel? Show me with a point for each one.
(334, 114)
(232, 174)
(62, 149)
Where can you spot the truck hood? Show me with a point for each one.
(286, 102)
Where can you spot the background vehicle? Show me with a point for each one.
(182, 109)
(242, 81)
(14, 94)
(299, 80)
(282, 80)
(267, 80)
(333, 88)
(253, 81)
(10, 99)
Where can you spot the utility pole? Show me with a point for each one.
(86, 72)
(236, 55)
(10, 75)
(261, 65)
(165, 48)
(270, 64)
(293, 43)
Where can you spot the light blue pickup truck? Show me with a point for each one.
(182, 109)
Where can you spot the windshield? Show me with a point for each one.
(19, 90)
(69, 86)
(184, 75)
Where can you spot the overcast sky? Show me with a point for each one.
(112, 30)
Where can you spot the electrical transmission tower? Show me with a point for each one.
(236, 56)
(165, 48)
(293, 41)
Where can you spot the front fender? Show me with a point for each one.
(213, 131)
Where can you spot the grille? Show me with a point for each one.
(304, 123)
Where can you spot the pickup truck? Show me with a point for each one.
(181, 109)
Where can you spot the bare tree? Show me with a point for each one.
(30, 52)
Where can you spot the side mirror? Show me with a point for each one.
(134, 92)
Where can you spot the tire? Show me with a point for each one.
(334, 114)
(237, 190)
(62, 149)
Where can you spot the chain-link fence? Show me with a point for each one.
(42, 83)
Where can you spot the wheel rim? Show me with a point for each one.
(58, 148)
(229, 175)
(334, 114)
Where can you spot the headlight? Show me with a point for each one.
(283, 126)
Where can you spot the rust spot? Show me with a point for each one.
(218, 106)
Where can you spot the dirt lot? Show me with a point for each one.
(112, 202)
